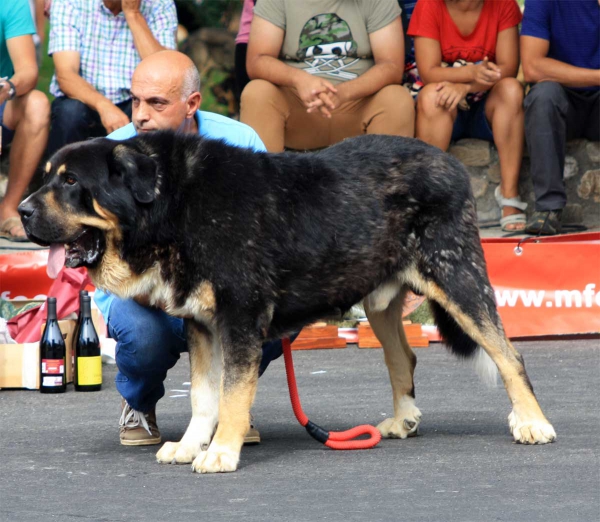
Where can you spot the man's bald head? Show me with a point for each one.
(165, 89)
(170, 66)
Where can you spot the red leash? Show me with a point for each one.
(340, 440)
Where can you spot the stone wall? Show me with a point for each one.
(582, 178)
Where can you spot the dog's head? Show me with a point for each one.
(91, 190)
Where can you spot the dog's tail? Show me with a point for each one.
(463, 346)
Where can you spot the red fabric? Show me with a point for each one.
(431, 19)
(27, 327)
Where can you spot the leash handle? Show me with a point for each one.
(339, 440)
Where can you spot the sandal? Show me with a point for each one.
(7, 225)
(546, 223)
(513, 219)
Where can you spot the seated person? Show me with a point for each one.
(241, 48)
(24, 112)
(165, 90)
(95, 46)
(481, 99)
(560, 49)
(325, 71)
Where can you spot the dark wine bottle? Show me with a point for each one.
(76, 330)
(88, 360)
(53, 378)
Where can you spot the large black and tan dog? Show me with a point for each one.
(248, 246)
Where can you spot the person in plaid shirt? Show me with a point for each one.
(96, 45)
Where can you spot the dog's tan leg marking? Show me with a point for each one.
(223, 453)
(401, 362)
(205, 362)
(527, 422)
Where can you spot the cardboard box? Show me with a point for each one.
(20, 363)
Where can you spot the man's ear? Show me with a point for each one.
(138, 171)
(193, 104)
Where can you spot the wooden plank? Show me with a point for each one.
(318, 343)
(372, 342)
(312, 332)
(411, 330)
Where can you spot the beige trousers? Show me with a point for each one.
(279, 117)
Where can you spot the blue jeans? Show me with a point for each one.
(73, 121)
(149, 343)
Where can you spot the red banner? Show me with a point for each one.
(547, 286)
(550, 287)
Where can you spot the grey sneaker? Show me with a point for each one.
(137, 428)
(252, 436)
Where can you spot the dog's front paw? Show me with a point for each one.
(216, 460)
(537, 431)
(176, 453)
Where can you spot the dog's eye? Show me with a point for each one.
(70, 180)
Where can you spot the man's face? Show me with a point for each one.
(157, 103)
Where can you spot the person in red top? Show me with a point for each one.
(467, 54)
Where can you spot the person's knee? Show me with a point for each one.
(257, 92)
(37, 110)
(510, 92)
(146, 340)
(426, 102)
(68, 112)
(545, 95)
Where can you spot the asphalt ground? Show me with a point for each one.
(60, 457)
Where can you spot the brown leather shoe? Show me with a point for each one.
(252, 436)
(137, 428)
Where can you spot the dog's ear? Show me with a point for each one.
(138, 171)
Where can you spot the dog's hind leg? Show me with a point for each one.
(466, 306)
(241, 358)
(400, 360)
(205, 367)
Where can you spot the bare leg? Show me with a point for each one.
(434, 124)
(504, 110)
(29, 117)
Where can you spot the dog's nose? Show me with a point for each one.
(26, 210)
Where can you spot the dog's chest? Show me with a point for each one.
(151, 289)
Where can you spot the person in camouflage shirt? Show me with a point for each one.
(323, 71)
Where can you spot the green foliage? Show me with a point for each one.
(194, 14)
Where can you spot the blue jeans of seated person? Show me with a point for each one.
(73, 121)
(149, 343)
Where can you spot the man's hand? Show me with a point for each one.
(328, 101)
(486, 73)
(309, 88)
(130, 6)
(450, 94)
(112, 117)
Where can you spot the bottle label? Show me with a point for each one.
(55, 366)
(89, 370)
(52, 381)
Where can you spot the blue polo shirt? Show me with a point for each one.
(210, 125)
(571, 26)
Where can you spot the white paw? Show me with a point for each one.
(531, 432)
(405, 422)
(215, 460)
(177, 453)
